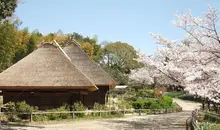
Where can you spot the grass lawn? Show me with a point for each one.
(182, 95)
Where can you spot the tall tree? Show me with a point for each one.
(23, 37)
(33, 41)
(118, 60)
(7, 44)
(7, 8)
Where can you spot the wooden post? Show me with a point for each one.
(100, 114)
(73, 115)
(153, 111)
(139, 112)
(31, 117)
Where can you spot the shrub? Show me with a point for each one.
(205, 126)
(139, 104)
(212, 117)
(98, 106)
(164, 102)
(155, 105)
(21, 107)
(123, 104)
(40, 117)
(148, 111)
(175, 94)
(64, 115)
(54, 116)
(145, 94)
(78, 106)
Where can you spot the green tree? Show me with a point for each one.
(7, 44)
(33, 41)
(118, 60)
(23, 37)
(7, 8)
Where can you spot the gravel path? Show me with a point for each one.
(171, 121)
(187, 105)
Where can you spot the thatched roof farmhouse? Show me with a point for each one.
(51, 73)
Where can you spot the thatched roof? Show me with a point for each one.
(88, 66)
(45, 68)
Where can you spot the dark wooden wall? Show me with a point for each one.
(53, 99)
(43, 99)
(97, 96)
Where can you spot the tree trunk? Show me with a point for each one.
(203, 104)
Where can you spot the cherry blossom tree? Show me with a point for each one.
(193, 62)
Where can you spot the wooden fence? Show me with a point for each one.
(73, 113)
(191, 122)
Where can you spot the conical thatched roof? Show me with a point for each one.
(45, 68)
(88, 66)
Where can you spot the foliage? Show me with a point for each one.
(212, 117)
(208, 126)
(98, 106)
(205, 126)
(154, 103)
(183, 96)
(174, 94)
(124, 104)
(7, 8)
(118, 76)
(20, 107)
(134, 93)
(118, 60)
(35, 38)
(54, 116)
(7, 44)
(88, 48)
(189, 98)
(78, 106)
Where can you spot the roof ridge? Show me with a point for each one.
(73, 63)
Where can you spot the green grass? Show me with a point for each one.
(182, 95)
(209, 126)
(175, 94)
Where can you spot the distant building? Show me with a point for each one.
(51, 76)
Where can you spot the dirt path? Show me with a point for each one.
(187, 105)
(171, 121)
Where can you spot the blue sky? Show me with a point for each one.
(111, 20)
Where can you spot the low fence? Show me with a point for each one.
(122, 111)
(191, 122)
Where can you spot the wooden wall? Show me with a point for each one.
(97, 96)
(53, 99)
(42, 99)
